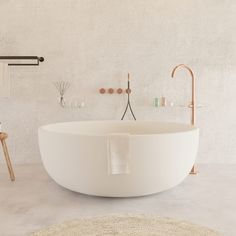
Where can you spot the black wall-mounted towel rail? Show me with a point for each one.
(38, 59)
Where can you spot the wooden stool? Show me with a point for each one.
(3, 136)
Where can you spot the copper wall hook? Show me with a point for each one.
(119, 90)
(102, 90)
(110, 90)
(113, 90)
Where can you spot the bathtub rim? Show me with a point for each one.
(191, 128)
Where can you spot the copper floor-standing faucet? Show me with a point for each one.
(192, 104)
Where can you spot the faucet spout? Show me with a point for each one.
(192, 105)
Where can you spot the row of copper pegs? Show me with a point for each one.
(112, 90)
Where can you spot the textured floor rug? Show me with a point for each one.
(126, 225)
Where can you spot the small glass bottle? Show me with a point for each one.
(163, 101)
(156, 102)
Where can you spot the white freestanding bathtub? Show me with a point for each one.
(161, 156)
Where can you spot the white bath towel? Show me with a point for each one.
(4, 80)
(118, 153)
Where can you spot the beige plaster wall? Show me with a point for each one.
(94, 43)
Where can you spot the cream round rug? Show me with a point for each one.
(126, 225)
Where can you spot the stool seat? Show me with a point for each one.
(3, 137)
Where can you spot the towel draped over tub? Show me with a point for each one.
(118, 153)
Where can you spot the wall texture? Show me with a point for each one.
(94, 43)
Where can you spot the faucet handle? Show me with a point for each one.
(190, 105)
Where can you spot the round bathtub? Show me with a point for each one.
(75, 156)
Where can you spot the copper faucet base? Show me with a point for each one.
(193, 171)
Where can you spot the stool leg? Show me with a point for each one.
(9, 166)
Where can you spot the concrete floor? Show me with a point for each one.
(34, 201)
